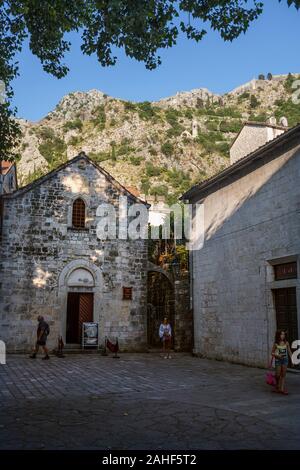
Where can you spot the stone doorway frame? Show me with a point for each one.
(153, 268)
(64, 289)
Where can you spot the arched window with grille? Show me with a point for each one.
(78, 214)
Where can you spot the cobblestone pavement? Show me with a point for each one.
(142, 401)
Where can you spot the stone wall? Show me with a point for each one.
(183, 314)
(40, 250)
(249, 221)
(251, 138)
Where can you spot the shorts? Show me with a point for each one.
(281, 362)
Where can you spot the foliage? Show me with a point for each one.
(159, 190)
(152, 170)
(288, 84)
(288, 109)
(212, 125)
(140, 28)
(129, 106)
(218, 111)
(188, 113)
(167, 149)
(112, 122)
(175, 131)
(99, 157)
(171, 116)
(210, 143)
(244, 96)
(54, 151)
(254, 103)
(99, 117)
(45, 133)
(223, 148)
(124, 149)
(178, 179)
(24, 145)
(70, 125)
(113, 153)
(74, 140)
(230, 126)
(152, 151)
(183, 256)
(136, 160)
(147, 111)
(145, 184)
(262, 117)
(10, 133)
(32, 176)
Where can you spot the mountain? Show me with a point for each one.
(160, 147)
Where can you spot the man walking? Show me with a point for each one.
(43, 331)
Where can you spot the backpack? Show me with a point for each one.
(47, 329)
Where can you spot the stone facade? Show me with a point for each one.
(183, 318)
(252, 222)
(252, 136)
(43, 258)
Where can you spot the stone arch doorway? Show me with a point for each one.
(160, 304)
(80, 286)
(80, 303)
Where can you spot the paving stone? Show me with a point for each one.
(143, 402)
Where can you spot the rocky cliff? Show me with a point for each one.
(161, 147)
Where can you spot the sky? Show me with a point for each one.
(270, 45)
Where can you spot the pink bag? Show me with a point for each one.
(270, 376)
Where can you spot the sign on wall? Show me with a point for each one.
(127, 293)
(90, 334)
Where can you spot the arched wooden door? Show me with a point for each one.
(79, 310)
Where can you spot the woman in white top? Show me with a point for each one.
(165, 334)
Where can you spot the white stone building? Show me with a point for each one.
(245, 279)
(52, 262)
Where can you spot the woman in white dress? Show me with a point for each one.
(165, 334)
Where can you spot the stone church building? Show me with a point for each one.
(245, 278)
(53, 264)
